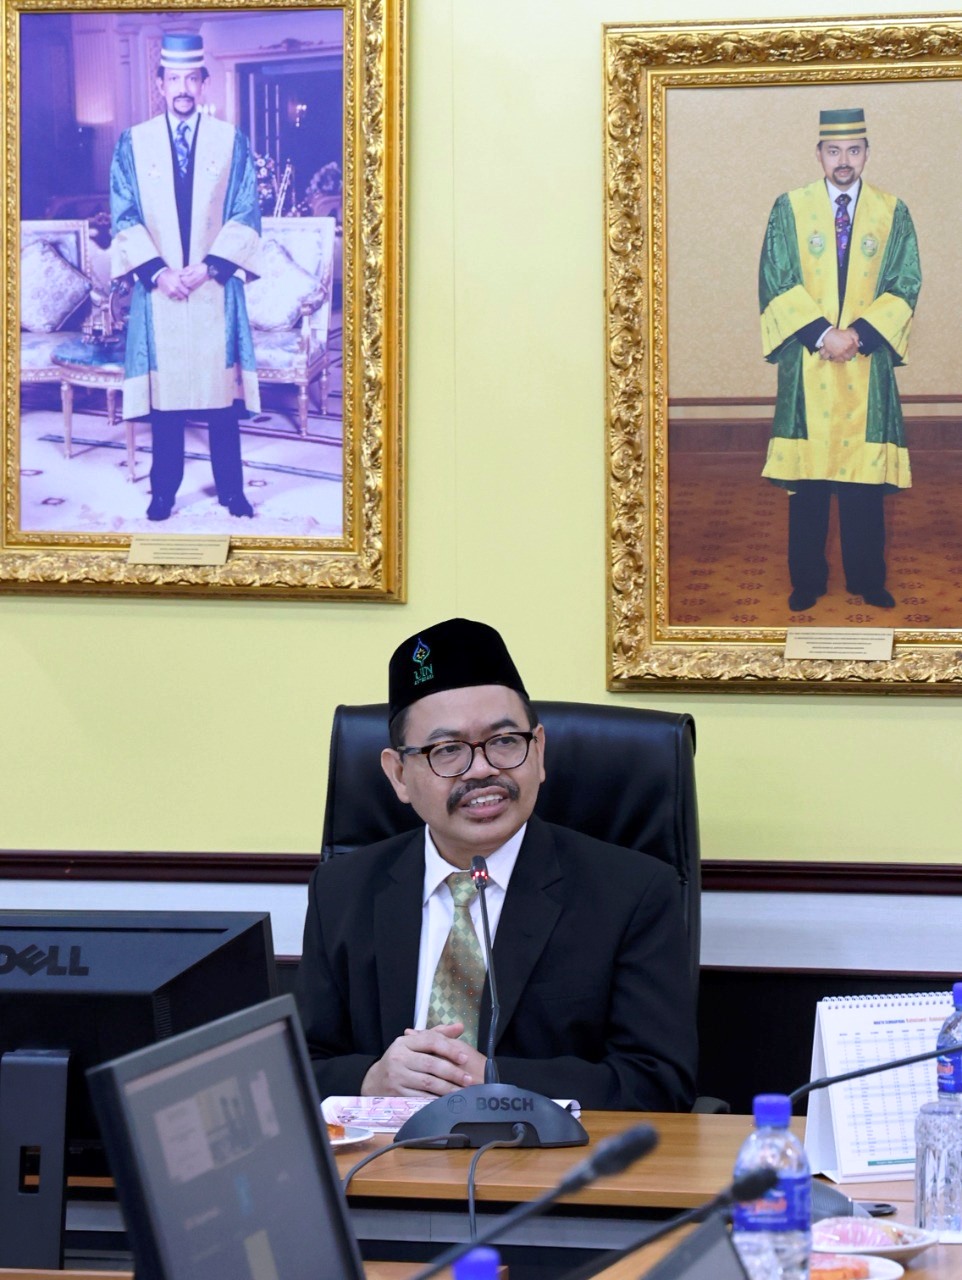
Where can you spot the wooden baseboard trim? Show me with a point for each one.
(831, 877)
(718, 876)
(219, 868)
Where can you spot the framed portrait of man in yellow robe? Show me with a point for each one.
(782, 384)
(204, 273)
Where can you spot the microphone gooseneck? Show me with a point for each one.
(826, 1081)
(611, 1156)
(479, 874)
(751, 1185)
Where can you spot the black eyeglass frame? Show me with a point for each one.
(527, 734)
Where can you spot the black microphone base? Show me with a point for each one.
(489, 1112)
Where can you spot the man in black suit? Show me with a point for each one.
(589, 943)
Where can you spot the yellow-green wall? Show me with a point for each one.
(159, 724)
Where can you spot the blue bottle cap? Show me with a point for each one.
(772, 1110)
(957, 994)
(480, 1264)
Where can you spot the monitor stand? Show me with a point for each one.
(33, 1118)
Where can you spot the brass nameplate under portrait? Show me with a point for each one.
(159, 548)
(840, 644)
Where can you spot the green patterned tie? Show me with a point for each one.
(459, 978)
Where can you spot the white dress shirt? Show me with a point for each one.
(437, 910)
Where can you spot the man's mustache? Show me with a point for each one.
(481, 784)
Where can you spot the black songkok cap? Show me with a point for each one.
(450, 655)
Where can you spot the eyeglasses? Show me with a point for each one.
(451, 759)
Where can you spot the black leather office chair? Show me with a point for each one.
(618, 773)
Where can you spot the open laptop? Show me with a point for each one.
(707, 1254)
(222, 1166)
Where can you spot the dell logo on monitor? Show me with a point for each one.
(32, 960)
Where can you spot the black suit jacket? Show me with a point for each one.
(590, 953)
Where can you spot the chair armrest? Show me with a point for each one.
(708, 1106)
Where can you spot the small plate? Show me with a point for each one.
(915, 1240)
(354, 1135)
(882, 1268)
(878, 1268)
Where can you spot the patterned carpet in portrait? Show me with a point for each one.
(295, 485)
(728, 533)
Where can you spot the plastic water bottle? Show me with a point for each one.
(949, 1068)
(773, 1235)
(938, 1139)
(480, 1264)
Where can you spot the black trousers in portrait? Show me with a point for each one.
(167, 441)
(861, 519)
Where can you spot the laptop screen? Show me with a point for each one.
(707, 1254)
(222, 1166)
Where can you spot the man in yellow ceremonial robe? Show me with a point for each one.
(186, 226)
(838, 282)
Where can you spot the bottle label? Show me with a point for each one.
(787, 1207)
(949, 1073)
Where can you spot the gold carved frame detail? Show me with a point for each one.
(366, 560)
(642, 64)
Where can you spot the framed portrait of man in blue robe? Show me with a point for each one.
(207, 268)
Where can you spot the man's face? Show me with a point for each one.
(181, 91)
(843, 160)
(478, 811)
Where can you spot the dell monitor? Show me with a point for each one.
(76, 989)
(223, 1168)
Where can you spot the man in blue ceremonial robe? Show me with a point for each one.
(186, 226)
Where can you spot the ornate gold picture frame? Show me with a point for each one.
(318, 90)
(705, 126)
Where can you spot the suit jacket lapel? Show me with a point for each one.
(531, 909)
(397, 937)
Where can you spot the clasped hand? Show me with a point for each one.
(425, 1064)
(839, 345)
(180, 284)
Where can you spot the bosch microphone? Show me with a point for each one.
(611, 1156)
(489, 1112)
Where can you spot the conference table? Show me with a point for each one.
(421, 1194)
(417, 1198)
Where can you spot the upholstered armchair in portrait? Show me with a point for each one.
(289, 307)
(71, 333)
(55, 288)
